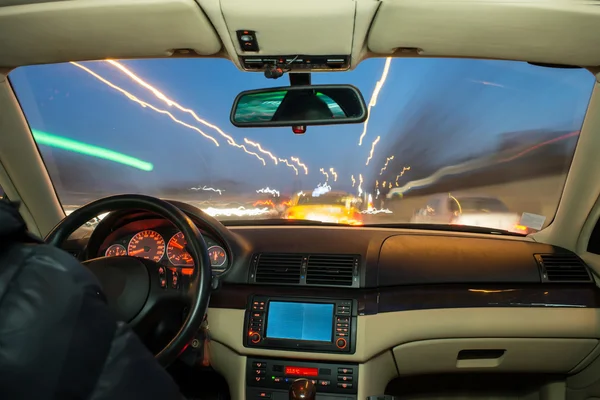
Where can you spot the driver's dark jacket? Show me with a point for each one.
(58, 339)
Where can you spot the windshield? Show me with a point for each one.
(478, 204)
(504, 130)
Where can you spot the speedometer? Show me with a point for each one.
(147, 244)
(177, 253)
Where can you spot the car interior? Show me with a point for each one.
(395, 311)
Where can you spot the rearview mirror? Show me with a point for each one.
(299, 106)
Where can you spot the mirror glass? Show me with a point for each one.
(299, 105)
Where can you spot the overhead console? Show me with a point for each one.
(296, 63)
(310, 35)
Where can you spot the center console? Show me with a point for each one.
(301, 324)
(269, 378)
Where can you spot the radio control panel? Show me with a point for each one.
(301, 324)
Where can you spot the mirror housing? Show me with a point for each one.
(298, 106)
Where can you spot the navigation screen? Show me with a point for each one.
(300, 321)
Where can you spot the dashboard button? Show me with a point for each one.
(344, 371)
(341, 343)
(344, 385)
(345, 378)
(254, 337)
(259, 364)
(324, 383)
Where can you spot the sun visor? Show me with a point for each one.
(307, 27)
(545, 32)
(89, 30)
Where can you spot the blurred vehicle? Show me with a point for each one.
(470, 210)
(335, 207)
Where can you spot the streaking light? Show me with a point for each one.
(300, 164)
(268, 190)
(208, 189)
(286, 162)
(63, 143)
(321, 189)
(387, 161)
(375, 211)
(401, 173)
(373, 149)
(143, 103)
(172, 103)
(353, 180)
(334, 174)
(373, 102)
(360, 182)
(236, 212)
(325, 173)
(259, 147)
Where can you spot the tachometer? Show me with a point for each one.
(176, 251)
(147, 244)
(217, 256)
(115, 250)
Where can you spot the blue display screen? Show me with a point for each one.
(300, 321)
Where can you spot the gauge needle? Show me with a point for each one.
(177, 245)
(133, 253)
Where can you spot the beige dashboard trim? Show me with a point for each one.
(382, 332)
(378, 334)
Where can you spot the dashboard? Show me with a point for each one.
(347, 306)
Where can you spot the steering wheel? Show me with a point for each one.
(135, 286)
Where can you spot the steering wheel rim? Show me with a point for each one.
(200, 280)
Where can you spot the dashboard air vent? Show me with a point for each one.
(278, 268)
(563, 268)
(332, 270)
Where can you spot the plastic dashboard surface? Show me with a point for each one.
(403, 269)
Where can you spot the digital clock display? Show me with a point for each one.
(301, 371)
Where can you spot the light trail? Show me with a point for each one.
(259, 147)
(333, 173)
(63, 143)
(208, 189)
(286, 162)
(373, 149)
(387, 161)
(143, 103)
(325, 173)
(353, 180)
(173, 103)
(360, 182)
(375, 211)
(169, 102)
(373, 101)
(237, 212)
(404, 169)
(268, 190)
(300, 164)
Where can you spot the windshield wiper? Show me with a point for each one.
(279, 221)
(445, 227)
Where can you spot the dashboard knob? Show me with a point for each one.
(341, 343)
(254, 337)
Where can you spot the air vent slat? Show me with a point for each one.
(331, 270)
(563, 268)
(278, 268)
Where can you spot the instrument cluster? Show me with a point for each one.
(165, 246)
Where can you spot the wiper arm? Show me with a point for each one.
(446, 227)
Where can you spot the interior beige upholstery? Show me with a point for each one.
(96, 29)
(519, 30)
